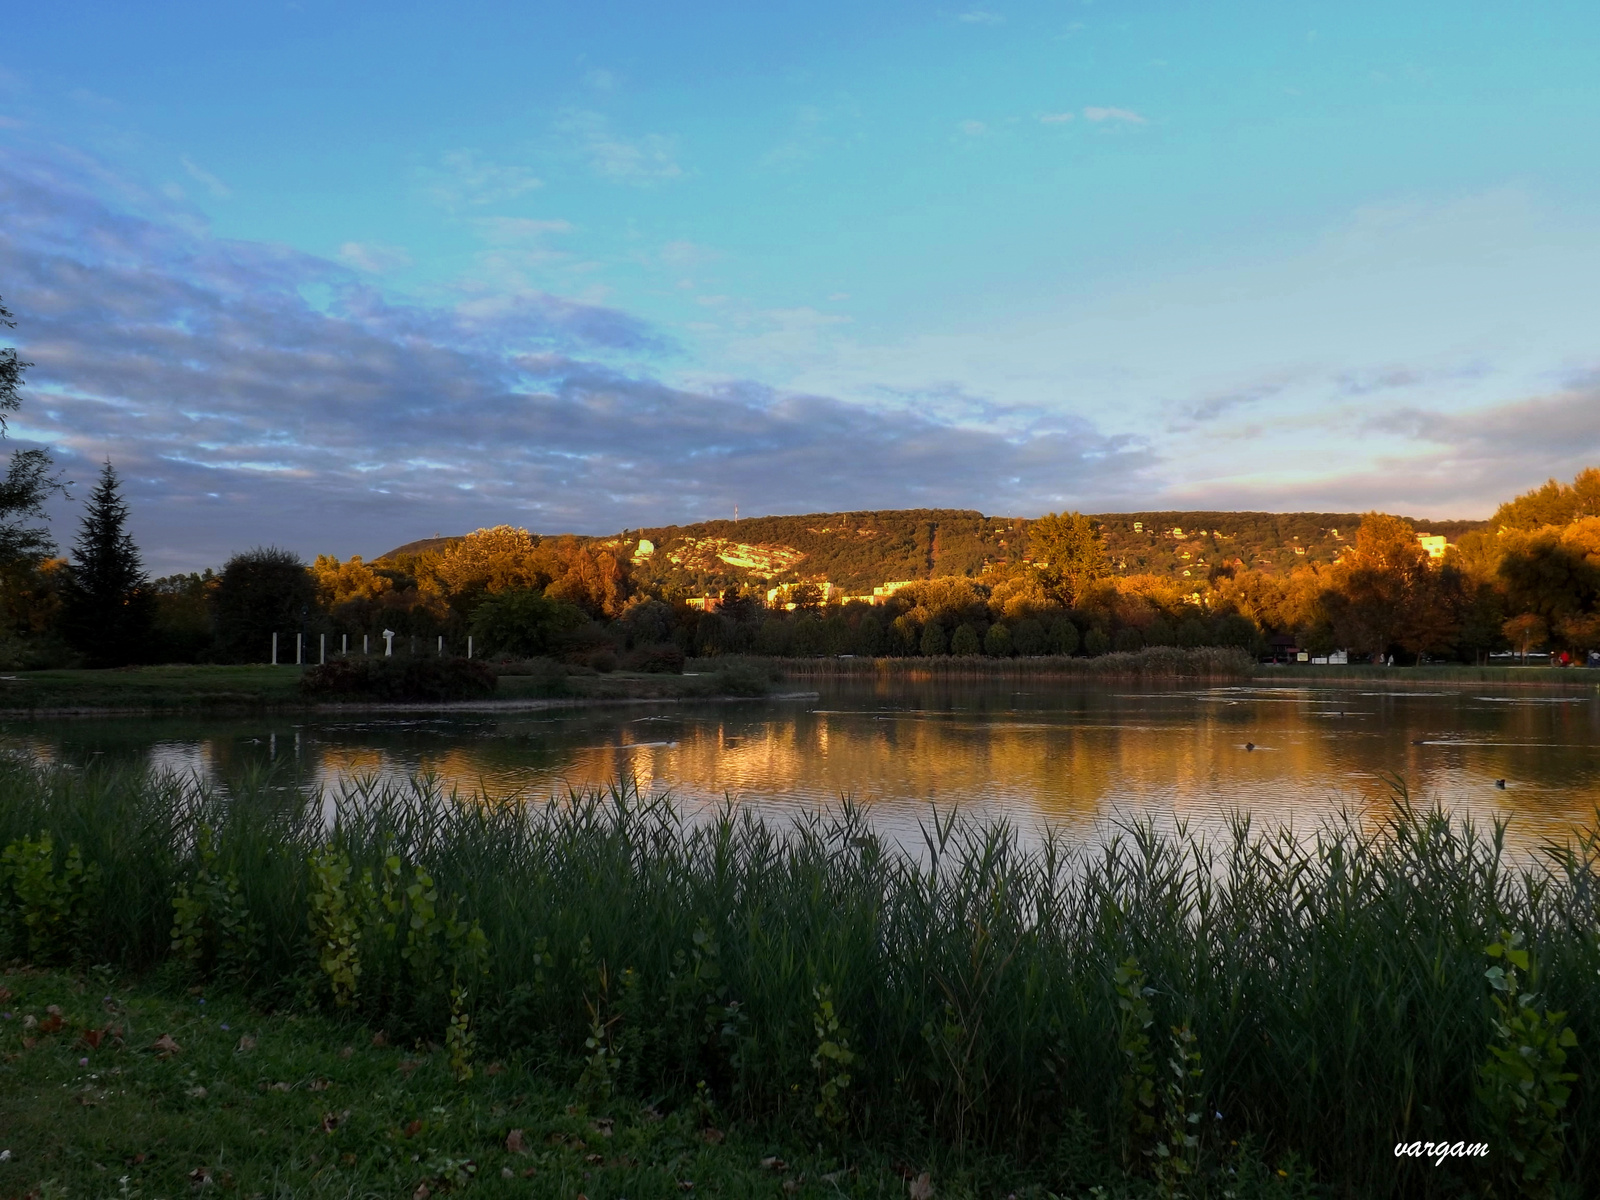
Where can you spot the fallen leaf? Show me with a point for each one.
(422, 1192)
(348, 1160)
(29, 1043)
(379, 1040)
(790, 1186)
(51, 1024)
(93, 1037)
(136, 1159)
(773, 1163)
(30, 1021)
(686, 1185)
(332, 1121)
(54, 1010)
(515, 1144)
(164, 1046)
(493, 1068)
(318, 1085)
(414, 1128)
(604, 1126)
(199, 1093)
(347, 1052)
(246, 1044)
(530, 1172)
(712, 1137)
(280, 1086)
(507, 1173)
(922, 1187)
(408, 1065)
(199, 1177)
(5, 994)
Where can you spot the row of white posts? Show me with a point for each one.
(388, 636)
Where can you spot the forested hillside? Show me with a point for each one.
(857, 551)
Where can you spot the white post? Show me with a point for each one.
(441, 645)
(274, 649)
(469, 645)
(388, 643)
(363, 643)
(322, 649)
(299, 649)
(344, 643)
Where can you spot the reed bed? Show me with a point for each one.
(977, 993)
(1152, 662)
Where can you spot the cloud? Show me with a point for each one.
(641, 161)
(979, 16)
(1055, 118)
(373, 257)
(1113, 114)
(465, 179)
(214, 185)
(973, 128)
(241, 413)
(518, 230)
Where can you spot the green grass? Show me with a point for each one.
(1157, 662)
(958, 1004)
(1572, 677)
(166, 687)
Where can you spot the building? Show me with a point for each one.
(1434, 544)
(880, 595)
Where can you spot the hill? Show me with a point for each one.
(857, 551)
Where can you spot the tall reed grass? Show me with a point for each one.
(969, 991)
(1155, 662)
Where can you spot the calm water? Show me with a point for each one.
(1034, 751)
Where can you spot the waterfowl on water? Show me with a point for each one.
(1249, 745)
(1501, 784)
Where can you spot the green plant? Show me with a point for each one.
(1177, 1155)
(1523, 1083)
(336, 925)
(831, 1060)
(1137, 1086)
(51, 909)
(212, 932)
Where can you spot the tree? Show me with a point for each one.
(933, 640)
(1378, 584)
(1068, 553)
(262, 591)
(106, 606)
(965, 642)
(523, 623)
(28, 480)
(1525, 632)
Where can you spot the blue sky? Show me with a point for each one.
(335, 276)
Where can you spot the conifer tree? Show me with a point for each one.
(28, 480)
(106, 614)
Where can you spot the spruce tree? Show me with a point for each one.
(106, 613)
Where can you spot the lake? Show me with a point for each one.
(1038, 752)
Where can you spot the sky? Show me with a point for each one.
(337, 276)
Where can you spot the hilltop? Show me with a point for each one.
(857, 551)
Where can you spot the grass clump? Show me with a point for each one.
(424, 680)
(1157, 1015)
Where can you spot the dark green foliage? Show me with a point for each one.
(1334, 984)
(523, 623)
(965, 642)
(1063, 636)
(1095, 642)
(997, 641)
(399, 679)
(107, 609)
(181, 625)
(261, 592)
(933, 641)
(661, 659)
(29, 480)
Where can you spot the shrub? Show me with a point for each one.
(661, 659)
(523, 623)
(965, 642)
(417, 679)
(1096, 643)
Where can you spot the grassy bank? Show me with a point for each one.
(1153, 662)
(211, 688)
(1022, 1010)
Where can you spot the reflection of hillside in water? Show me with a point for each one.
(1035, 753)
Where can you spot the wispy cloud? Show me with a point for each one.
(465, 178)
(1059, 118)
(972, 128)
(651, 158)
(980, 16)
(1113, 114)
(374, 257)
(212, 184)
(240, 413)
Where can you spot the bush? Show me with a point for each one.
(661, 659)
(1095, 642)
(524, 623)
(399, 679)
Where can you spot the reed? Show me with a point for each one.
(1154, 662)
(971, 989)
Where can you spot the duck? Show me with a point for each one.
(1249, 745)
(1501, 784)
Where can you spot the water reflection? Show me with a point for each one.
(1038, 754)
